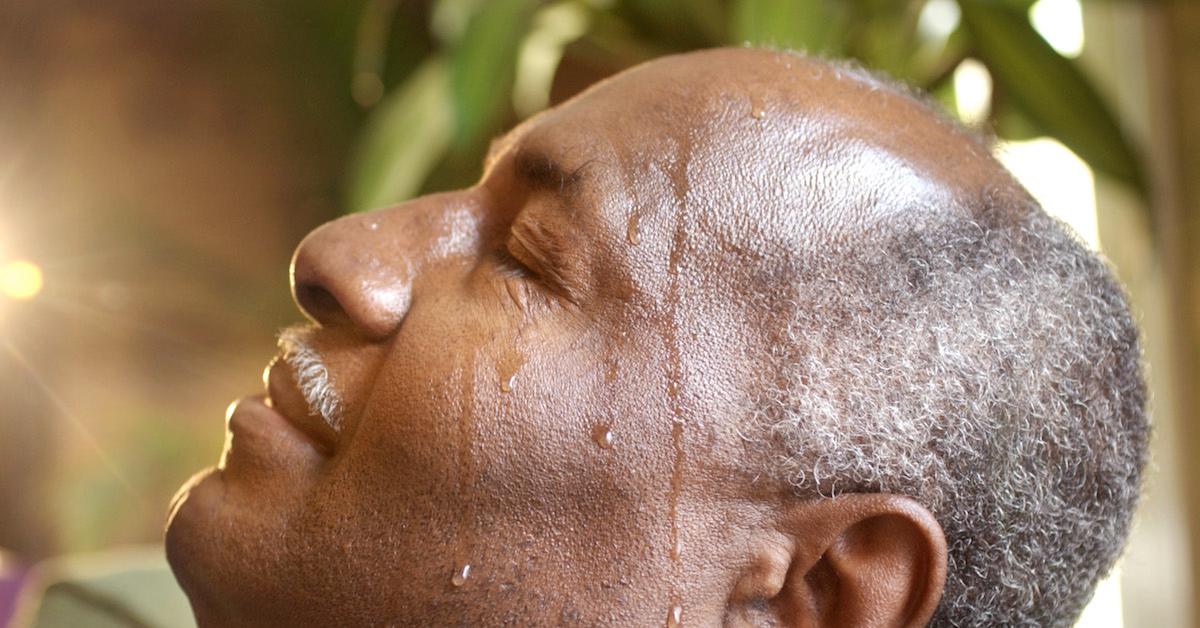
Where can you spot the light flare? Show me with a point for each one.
(20, 280)
(1060, 23)
(62, 410)
(973, 92)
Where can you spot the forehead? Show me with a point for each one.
(764, 146)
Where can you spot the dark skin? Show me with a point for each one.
(602, 277)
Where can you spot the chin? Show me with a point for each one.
(222, 543)
(206, 543)
(191, 551)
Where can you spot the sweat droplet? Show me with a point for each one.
(508, 368)
(675, 616)
(757, 109)
(631, 230)
(603, 436)
(676, 550)
(460, 575)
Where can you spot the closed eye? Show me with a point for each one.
(545, 256)
(511, 266)
(523, 285)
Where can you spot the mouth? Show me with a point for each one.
(297, 418)
(285, 398)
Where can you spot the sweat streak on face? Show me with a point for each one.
(543, 376)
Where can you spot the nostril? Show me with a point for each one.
(320, 305)
(343, 278)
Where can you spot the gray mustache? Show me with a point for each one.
(312, 377)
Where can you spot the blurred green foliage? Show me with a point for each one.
(436, 84)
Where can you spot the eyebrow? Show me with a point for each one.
(540, 171)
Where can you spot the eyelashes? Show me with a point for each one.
(534, 253)
(511, 266)
(524, 287)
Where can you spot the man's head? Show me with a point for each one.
(736, 336)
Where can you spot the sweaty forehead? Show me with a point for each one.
(767, 146)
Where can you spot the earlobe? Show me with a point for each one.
(853, 560)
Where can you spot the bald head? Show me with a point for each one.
(728, 337)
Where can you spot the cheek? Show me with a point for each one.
(521, 452)
(388, 516)
(407, 448)
(533, 443)
(568, 475)
(564, 416)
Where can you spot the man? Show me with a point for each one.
(735, 337)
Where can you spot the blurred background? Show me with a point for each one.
(159, 161)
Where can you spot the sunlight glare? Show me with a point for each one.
(938, 19)
(1060, 23)
(20, 280)
(60, 406)
(1104, 611)
(972, 91)
(1059, 180)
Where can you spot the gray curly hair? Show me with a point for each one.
(986, 364)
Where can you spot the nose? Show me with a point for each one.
(359, 271)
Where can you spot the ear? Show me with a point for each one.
(853, 560)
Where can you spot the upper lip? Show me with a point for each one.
(284, 395)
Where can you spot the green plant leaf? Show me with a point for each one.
(813, 25)
(484, 66)
(1009, 121)
(933, 68)
(676, 24)
(1049, 89)
(884, 36)
(405, 137)
(612, 41)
